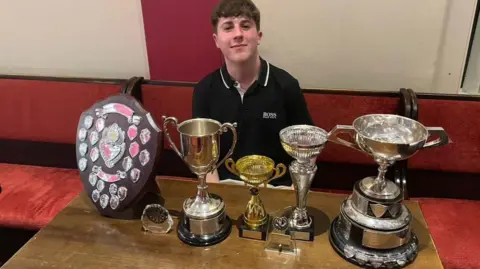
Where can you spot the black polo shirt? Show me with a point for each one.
(274, 101)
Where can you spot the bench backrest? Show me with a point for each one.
(48, 111)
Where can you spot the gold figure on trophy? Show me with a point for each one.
(255, 170)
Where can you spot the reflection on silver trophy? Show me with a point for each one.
(304, 143)
(203, 221)
(374, 227)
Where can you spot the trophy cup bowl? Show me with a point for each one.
(204, 221)
(303, 143)
(255, 170)
(374, 227)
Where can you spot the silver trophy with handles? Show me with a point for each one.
(373, 228)
(203, 221)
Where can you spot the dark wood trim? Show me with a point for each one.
(353, 92)
(334, 176)
(66, 79)
(435, 96)
(452, 97)
(133, 87)
(169, 83)
(401, 167)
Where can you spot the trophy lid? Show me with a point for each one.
(303, 142)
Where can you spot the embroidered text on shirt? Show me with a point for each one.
(269, 115)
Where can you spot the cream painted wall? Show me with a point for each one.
(372, 44)
(87, 38)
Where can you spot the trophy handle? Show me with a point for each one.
(173, 120)
(223, 129)
(230, 164)
(340, 129)
(442, 139)
(280, 170)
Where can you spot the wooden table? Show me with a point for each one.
(80, 238)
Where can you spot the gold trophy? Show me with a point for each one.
(255, 170)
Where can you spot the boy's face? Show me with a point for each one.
(237, 38)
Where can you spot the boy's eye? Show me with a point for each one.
(227, 27)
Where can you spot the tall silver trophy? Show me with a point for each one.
(203, 221)
(303, 143)
(373, 228)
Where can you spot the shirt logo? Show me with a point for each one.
(269, 115)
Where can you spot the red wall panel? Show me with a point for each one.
(179, 39)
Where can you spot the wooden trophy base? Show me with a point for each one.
(303, 234)
(245, 231)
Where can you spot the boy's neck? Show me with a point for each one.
(245, 73)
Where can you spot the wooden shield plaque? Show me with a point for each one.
(118, 145)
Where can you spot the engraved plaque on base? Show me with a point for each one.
(258, 233)
(117, 149)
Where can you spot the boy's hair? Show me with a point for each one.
(235, 8)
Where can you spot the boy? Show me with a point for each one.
(260, 97)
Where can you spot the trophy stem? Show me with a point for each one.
(255, 214)
(202, 190)
(302, 175)
(380, 183)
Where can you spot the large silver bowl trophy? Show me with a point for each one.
(303, 143)
(203, 221)
(374, 228)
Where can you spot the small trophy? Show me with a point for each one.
(304, 143)
(255, 170)
(374, 227)
(203, 221)
(279, 240)
(156, 219)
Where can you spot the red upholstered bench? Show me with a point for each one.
(39, 119)
(32, 195)
(46, 115)
(453, 224)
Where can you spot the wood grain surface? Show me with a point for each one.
(79, 237)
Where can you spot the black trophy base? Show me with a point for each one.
(245, 231)
(359, 255)
(198, 240)
(307, 234)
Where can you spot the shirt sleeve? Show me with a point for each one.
(297, 109)
(200, 105)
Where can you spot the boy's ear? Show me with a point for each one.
(215, 39)
(260, 35)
